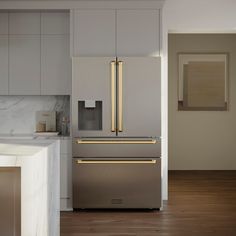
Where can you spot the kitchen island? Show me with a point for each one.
(38, 163)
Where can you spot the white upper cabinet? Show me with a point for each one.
(94, 33)
(55, 23)
(3, 64)
(55, 65)
(34, 53)
(3, 23)
(24, 65)
(138, 33)
(24, 23)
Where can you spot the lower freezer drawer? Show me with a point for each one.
(117, 183)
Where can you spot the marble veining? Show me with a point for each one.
(17, 113)
(40, 189)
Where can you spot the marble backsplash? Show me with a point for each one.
(17, 113)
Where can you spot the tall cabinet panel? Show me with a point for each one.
(3, 64)
(55, 65)
(94, 33)
(66, 175)
(138, 32)
(24, 65)
(55, 54)
(24, 53)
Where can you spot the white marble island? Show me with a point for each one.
(39, 162)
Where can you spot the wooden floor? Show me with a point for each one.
(200, 203)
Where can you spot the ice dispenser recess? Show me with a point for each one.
(90, 115)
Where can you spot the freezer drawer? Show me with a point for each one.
(117, 183)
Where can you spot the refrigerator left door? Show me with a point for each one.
(93, 97)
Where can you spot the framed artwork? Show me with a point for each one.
(203, 81)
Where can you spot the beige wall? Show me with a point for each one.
(201, 139)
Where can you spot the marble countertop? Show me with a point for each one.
(31, 137)
(11, 147)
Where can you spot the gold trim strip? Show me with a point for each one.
(113, 84)
(115, 162)
(120, 92)
(80, 141)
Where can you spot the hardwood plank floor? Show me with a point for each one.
(201, 203)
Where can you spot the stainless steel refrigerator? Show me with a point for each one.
(116, 126)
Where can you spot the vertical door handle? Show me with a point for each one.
(120, 96)
(113, 96)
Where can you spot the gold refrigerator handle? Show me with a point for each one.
(116, 161)
(120, 96)
(113, 96)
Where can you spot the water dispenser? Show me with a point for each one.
(89, 115)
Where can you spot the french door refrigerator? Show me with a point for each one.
(116, 127)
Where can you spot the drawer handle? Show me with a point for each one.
(116, 162)
(151, 141)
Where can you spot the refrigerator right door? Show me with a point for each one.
(139, 96)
